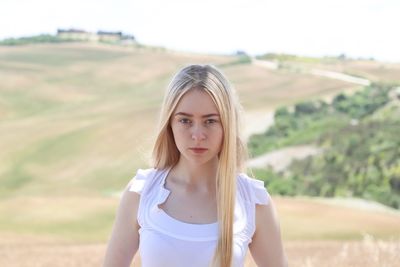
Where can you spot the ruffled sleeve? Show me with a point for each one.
(260, 195)
(138, 181)
(252, 190)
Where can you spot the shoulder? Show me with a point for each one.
(131, 196)
(266, 246)
(266, 243)
(252, 189)
(124, 239)
(140, 179)
(136, 185)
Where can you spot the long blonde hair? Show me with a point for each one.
(233, 151)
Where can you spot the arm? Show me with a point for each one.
(124, 241)
(266, 246)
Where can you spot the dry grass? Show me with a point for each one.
(312, 231)
(263, 89)
(306, 218)
(366, 253)
(369, 252)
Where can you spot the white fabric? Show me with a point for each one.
(166, 241)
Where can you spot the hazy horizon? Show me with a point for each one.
(358, 29)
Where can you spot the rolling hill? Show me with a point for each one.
(77, 120)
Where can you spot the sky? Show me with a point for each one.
(356, 28)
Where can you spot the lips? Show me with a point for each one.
(198, 149)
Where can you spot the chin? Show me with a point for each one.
(201, 161)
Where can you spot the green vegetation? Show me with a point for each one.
(361, 155)
(288, 57)
(52, 57)
(43, 38)
(310, 119)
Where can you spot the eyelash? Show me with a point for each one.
(188, 121)
(184, 121)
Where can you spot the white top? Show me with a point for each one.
(166, 241)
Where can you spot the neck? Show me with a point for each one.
(196, 176)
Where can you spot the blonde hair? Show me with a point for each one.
(233, 151)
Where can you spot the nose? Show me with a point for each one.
(198, 133)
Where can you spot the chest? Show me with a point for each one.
(195, 208)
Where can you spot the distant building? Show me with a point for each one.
(74, 34)
(109, 36)
(102, 36)
(241, 53)
(128, 39)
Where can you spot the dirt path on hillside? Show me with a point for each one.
(340, 76)
(280, 159)
(272, 65)
(256, 122)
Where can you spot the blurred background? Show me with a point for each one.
(81, 83)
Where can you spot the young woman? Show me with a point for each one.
(196, 206)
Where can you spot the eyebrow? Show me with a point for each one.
(190, 115)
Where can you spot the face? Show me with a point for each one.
(195, 124)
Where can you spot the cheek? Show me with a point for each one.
(220, 136)
(178, 134)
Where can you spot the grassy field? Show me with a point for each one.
(316, 233)
(77, 120)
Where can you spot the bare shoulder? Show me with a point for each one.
(129, 204)
(124, 240)
(266, 246)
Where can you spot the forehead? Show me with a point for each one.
(197, 102)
